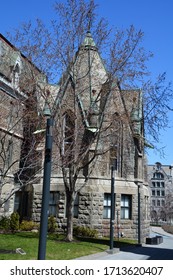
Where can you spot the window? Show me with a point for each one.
(163, 193)
(76, 206)
(158, 202)
(16, 75)
(68, 137)
(17, 201)
(158, 193)
(153, 184)
(153, 193)
(53, 203)
(158, 165)
(153, 203)
(107, 206)
(158, 175)
(162, 185)
(21, 202)
(126, 206)
(161, 176)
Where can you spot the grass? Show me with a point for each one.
(57, 249)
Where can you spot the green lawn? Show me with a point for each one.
(57, 249)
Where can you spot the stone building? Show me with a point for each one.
(83, 89)
(89, 105)
(17, 123)
(161, 192)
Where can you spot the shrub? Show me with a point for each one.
(52, 225)
(28, 225)
(5, 223)
(85, 231)
(14, 221)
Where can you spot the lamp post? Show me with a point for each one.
(46, 191)
(118, 225)
(139, 216)
(112, 217)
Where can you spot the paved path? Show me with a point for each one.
(163, 251)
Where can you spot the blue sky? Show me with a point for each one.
(154, 17)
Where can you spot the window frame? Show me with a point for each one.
(53, 204)
(76, 206)
(107, 206)
(125, 208)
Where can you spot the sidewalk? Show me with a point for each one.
(163, 251)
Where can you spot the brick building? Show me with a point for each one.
(82, 93)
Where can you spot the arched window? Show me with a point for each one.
(158, 175)
(68, 137)
(16, 75)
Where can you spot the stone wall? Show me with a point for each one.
(91, 206)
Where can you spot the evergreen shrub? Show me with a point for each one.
(14, 221)
(28, 225)
(85, 232)
(52, 224)
(5, 223)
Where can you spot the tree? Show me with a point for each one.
(53, 50)
(19, 155)
(8, 140)
(17, 146)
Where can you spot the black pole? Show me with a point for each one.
(46, 191)
(139, 216)
(118, 227)
(112, 218)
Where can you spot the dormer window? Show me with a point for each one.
(16, 75)
(158, 165)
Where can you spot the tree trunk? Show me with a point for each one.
(70, 207)
(1, 184)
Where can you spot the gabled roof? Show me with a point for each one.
(9, 55)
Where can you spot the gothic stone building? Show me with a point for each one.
(17, 123)
(82, 95)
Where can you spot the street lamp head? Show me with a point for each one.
(92, 129)
(38, 131)
(46, 110)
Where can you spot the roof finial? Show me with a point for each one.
(88, 41)
(89, 20)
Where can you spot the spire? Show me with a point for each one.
(89, 41)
